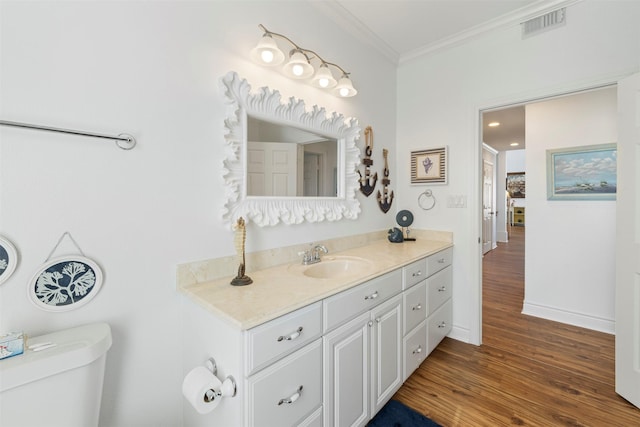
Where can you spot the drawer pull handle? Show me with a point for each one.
(372, 296)
(442, 324)
(417, 307)
(291, 336)
(418, 350)
(441, 261)
(417, 273)
(442, 288)
(289, 400)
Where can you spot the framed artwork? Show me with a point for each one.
(65, 283)
(582, 173)
(8, 259)
(516, 185)
(429, 166)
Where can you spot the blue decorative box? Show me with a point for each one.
(11, 344)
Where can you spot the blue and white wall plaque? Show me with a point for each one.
(65, 283)
(8, 259)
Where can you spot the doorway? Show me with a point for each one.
(557, 259)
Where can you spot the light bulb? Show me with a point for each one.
(344, 91)
(267, 56)
(297, 70)
(323, 82)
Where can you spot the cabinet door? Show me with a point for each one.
(386, 345)
(346, 374)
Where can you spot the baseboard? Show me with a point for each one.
(502, 236)
(576, 319)
(460, 334)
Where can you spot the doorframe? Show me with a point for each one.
(541, 94)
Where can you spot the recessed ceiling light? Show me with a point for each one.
(493, 124)
(514, 144)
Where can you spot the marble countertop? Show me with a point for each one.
(281, 289)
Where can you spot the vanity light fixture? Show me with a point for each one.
(300, 64)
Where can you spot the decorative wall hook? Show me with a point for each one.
(385, 198)
(366, 187)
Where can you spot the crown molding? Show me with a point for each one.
(349, 22)
(516, 17)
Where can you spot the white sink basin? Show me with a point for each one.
(337, 267)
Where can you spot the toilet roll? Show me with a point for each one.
(196, 389)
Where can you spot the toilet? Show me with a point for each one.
(58, 385)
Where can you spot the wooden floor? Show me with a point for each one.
(528, 371)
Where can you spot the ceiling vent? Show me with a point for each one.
(543, 23)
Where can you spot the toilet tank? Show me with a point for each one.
(56, 386)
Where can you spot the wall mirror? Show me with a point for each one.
(287, 164)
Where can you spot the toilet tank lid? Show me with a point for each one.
(73, 348)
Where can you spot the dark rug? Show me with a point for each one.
(396, 414)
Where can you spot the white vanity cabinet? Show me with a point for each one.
(362, 356)
(335, 362)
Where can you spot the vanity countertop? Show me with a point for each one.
(281, 289)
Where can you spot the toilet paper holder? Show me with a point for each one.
(228, 388)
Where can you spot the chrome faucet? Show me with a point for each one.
(313, 255)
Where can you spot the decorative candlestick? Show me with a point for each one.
(241, 234)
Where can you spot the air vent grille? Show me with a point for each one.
(545, 22)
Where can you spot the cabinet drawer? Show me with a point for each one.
(274, 395)
(438, 261)
(439, 289)
(414, 304)
(414, 273)
(348, 304)
(438, 326)
(281, 336)
(415, 349)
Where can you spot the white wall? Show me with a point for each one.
(572, 278)
(440, 97)
(150, 69)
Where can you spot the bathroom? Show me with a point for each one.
(152, 69)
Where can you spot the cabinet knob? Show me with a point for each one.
(441, 261)
(442, 288)
(417, 307)
(442, 324)
(372, 296)
(370, 323)
(291, 336)
(418, 350)
(417, 273)
(289, 400)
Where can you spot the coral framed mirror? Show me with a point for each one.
(284, 163)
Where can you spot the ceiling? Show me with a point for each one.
(405, 29)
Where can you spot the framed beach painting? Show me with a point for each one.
(429, 166)
(582, 173)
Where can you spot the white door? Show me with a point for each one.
(628, 242)
(488, 216)
(346, 374)
(311, 174)
(386, 357)
(271, 169)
